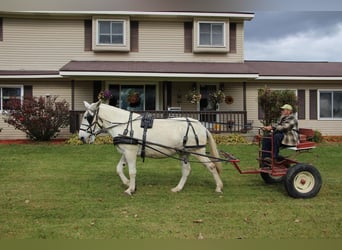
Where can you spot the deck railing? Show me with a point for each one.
(215, 121)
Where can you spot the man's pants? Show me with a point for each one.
(267, 144)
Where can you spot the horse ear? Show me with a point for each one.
(86, 104)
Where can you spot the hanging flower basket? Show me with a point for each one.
(217, 97)
(193, 96)
(104, 95)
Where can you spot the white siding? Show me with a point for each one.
(39, 44)
(325, 127)
(59, 88)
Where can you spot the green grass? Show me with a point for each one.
(72, 192)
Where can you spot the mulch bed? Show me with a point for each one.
(25, 141)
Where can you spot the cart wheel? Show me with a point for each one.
(303, 181)
(270, 179)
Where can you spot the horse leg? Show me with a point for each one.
(212, 169)
(119, 170)
(185, 173)
(131, 159)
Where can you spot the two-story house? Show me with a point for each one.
(161, 57)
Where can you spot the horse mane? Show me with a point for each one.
(109, 111)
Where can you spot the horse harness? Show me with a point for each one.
(147, 123)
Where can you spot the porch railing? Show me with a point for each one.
(215, 121)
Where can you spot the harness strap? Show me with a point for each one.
(130, 122)
(122, 139)
(185, 138)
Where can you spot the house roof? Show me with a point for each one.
(249, 69)
(238, 15)
(29, 74)
(157, 69)
(296, 69)
(258, 70)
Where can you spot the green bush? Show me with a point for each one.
(270, 102)
(317, 136)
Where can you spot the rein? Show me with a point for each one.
(122, 139)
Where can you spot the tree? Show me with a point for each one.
(39, 117)
(270, 102)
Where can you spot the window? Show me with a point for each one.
(211, 34)
(330, 104)
(111, 34)
(9, 93)
(133, 97)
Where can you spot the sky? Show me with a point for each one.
(294, 36)
(291, 30)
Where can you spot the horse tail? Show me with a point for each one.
(214, 152)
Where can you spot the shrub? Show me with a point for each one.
(317, 136)
(270, 102)
(102, 139)
(39, 117)
(74, 140)
(229, 139)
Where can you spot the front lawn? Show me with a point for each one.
(72, 192)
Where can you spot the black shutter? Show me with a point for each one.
(88, 30)
(313, 104)
(301, 103)
(1, 30)
(28, 93)
(188, 26)
(134, 33)
(97, 86)
(232, 37)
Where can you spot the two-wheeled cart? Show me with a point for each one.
(301, 180)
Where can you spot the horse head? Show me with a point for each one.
(89, 126)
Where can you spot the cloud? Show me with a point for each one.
(304, 37)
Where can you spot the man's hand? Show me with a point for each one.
(268, 128)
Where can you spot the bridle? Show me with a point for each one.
(93, 121)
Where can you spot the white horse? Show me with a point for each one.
(167, 137)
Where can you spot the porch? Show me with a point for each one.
(215, 121)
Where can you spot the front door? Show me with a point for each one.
(206, 105)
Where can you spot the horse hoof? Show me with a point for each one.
(219, 190)
(175, 190)
(128, 192)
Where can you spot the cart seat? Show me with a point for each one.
(303, 146)
(304, 135)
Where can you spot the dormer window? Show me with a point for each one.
(111, 34)
(211, 36)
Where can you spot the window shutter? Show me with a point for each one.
(301, 103)
(261, 114)
(188, 26)
(97, 86)
(1, 30)
(134, 33)
(232, 37)
(313, 104)
(28, 93)
(88, 35)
